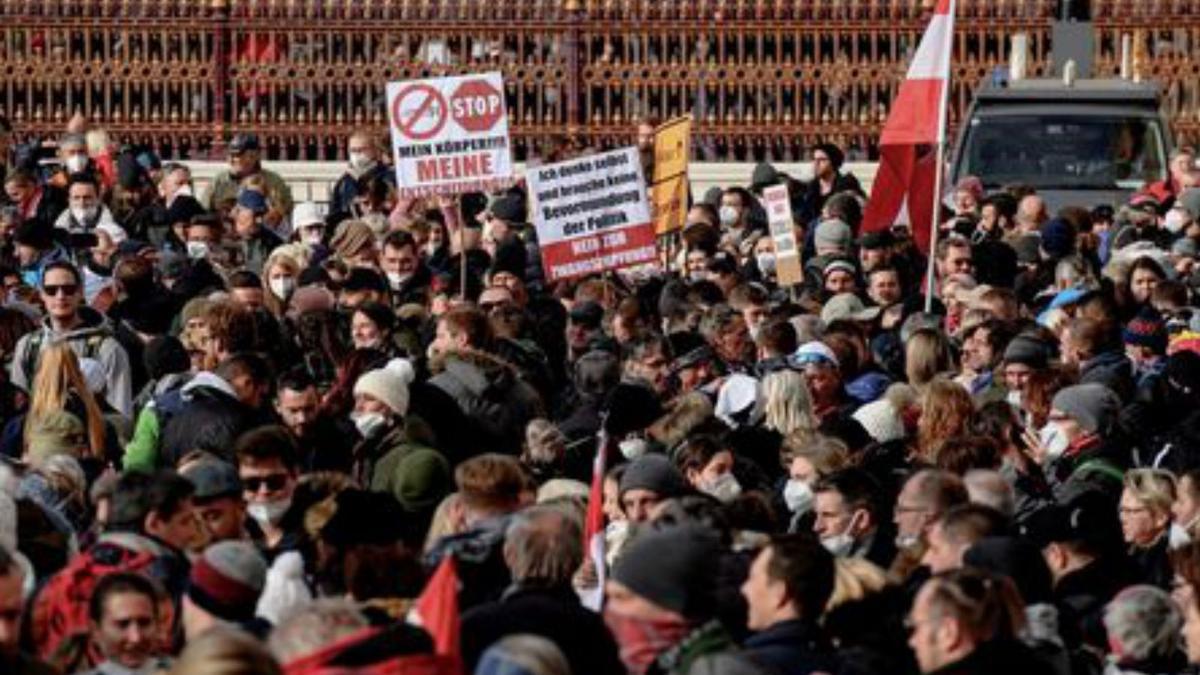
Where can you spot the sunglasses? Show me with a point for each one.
(60, 289)
(274, 482)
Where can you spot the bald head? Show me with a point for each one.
(1031, 213)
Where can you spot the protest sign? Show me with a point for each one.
(669, 185)
(591, 214)
(449, 134)
(778, 204)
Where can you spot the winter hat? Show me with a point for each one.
(509, 207)
(306, 214)
(1094, 406)
(212, 479)
(115, 232)
(739, 401)
(1027, 350)
(165, 355)
(674, 568)
(1058, 238)
(1026, 248)
(562, 488)
(881, 420)
(631, 407)
(253, 201)
(847, 306)
(1147, 329)
(1016, 558)
(814, 352)
(55, 433)
(833, 234)
(351, 237)
(388, 384)
(655, 473)
(597, 372)
(1189, 200)
(227, 579)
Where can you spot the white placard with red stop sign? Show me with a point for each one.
(450, 134)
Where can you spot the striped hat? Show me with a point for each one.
(1147, 329)
(227, 579)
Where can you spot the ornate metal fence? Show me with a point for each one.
(763, 78)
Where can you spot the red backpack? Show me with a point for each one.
(59, 613)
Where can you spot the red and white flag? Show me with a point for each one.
(909, 149)
(593, 531)
(437, 611)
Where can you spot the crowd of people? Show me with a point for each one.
(246, 435)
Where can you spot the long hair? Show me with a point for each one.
(58, 376)
(946, 411)
(788, 406)
(273, 304)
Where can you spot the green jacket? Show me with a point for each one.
(706, 640)
(225, 188)
(141, 454)
(416, 475)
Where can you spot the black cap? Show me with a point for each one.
(183, 209)
(631, 407)
(213, 479)
(243, 142)
(588, 314)
(509, 207)
(1088, 519)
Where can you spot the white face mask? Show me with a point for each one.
(184, 190)
(698, 275)
(282, 287)
(431, 249)
(268, 513)
(1054, 441)
(728, 215)
(841, 544)
(616, 530)
(798, 496)
(76, 163)
(397, 279)
(1175, 220)
(368, 424)
(84, 215)
(360, 160)
(632, 448)
(197, 250)
(1178, 536)
(725, 488)
(1014, 398)
(311, 235)
(907, 541)
(766, 263)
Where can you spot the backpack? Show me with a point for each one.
(59, 613)
(33, 351)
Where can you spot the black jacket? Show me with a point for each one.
(200, 417)
(791, 648)
(553, 613)
(814, 201)
(998, 657)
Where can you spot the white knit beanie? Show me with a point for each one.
(881, 420)
(388, 385)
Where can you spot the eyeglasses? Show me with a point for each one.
(274, 482)
(60, 289)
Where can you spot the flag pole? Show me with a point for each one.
(939, 170)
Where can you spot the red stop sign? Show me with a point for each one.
(476, 105)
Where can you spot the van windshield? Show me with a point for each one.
(1064, 152)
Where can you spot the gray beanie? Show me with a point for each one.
(1027, 350)
(1093, 406)
(655, 473)
(227, 579)
(833, 234)
(674, 568)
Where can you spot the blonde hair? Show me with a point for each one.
(441, 525)
(1154, 488)
(273, 304)
(926, 356)
(58, 376)
(853, 580)
(788, 406)
(825, 453)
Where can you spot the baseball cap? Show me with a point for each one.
(213, 479)
(814, 352)
(242, 143)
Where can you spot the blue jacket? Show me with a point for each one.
(794, 647)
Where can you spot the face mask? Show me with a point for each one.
(728, 215)
(359, 160)
(725, 488)
(1014, 398)
(1178, 536)
(282, 287)
(76, 163)
(766, 263)
(431, 249)
(840, 545)
(82, 216)
(616, 530)
(1054, 441)
(698, 275)
(1175, 220)
(197, 250)
(184, 190)
(268, 513)
(368, 424)
(798, 496)
(755, 330)
(632, 448)
(907, 541)
(397, 279)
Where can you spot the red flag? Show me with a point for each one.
(593, 531)
(437, 609)
(909, 149)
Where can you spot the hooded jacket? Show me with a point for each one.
(93, 338)
(492, 395)
(204, 414)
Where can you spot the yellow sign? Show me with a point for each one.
(669, 185)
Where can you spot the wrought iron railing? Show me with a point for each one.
(763, 78)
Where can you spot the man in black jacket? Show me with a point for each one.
(827, 180)
(543, 548)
